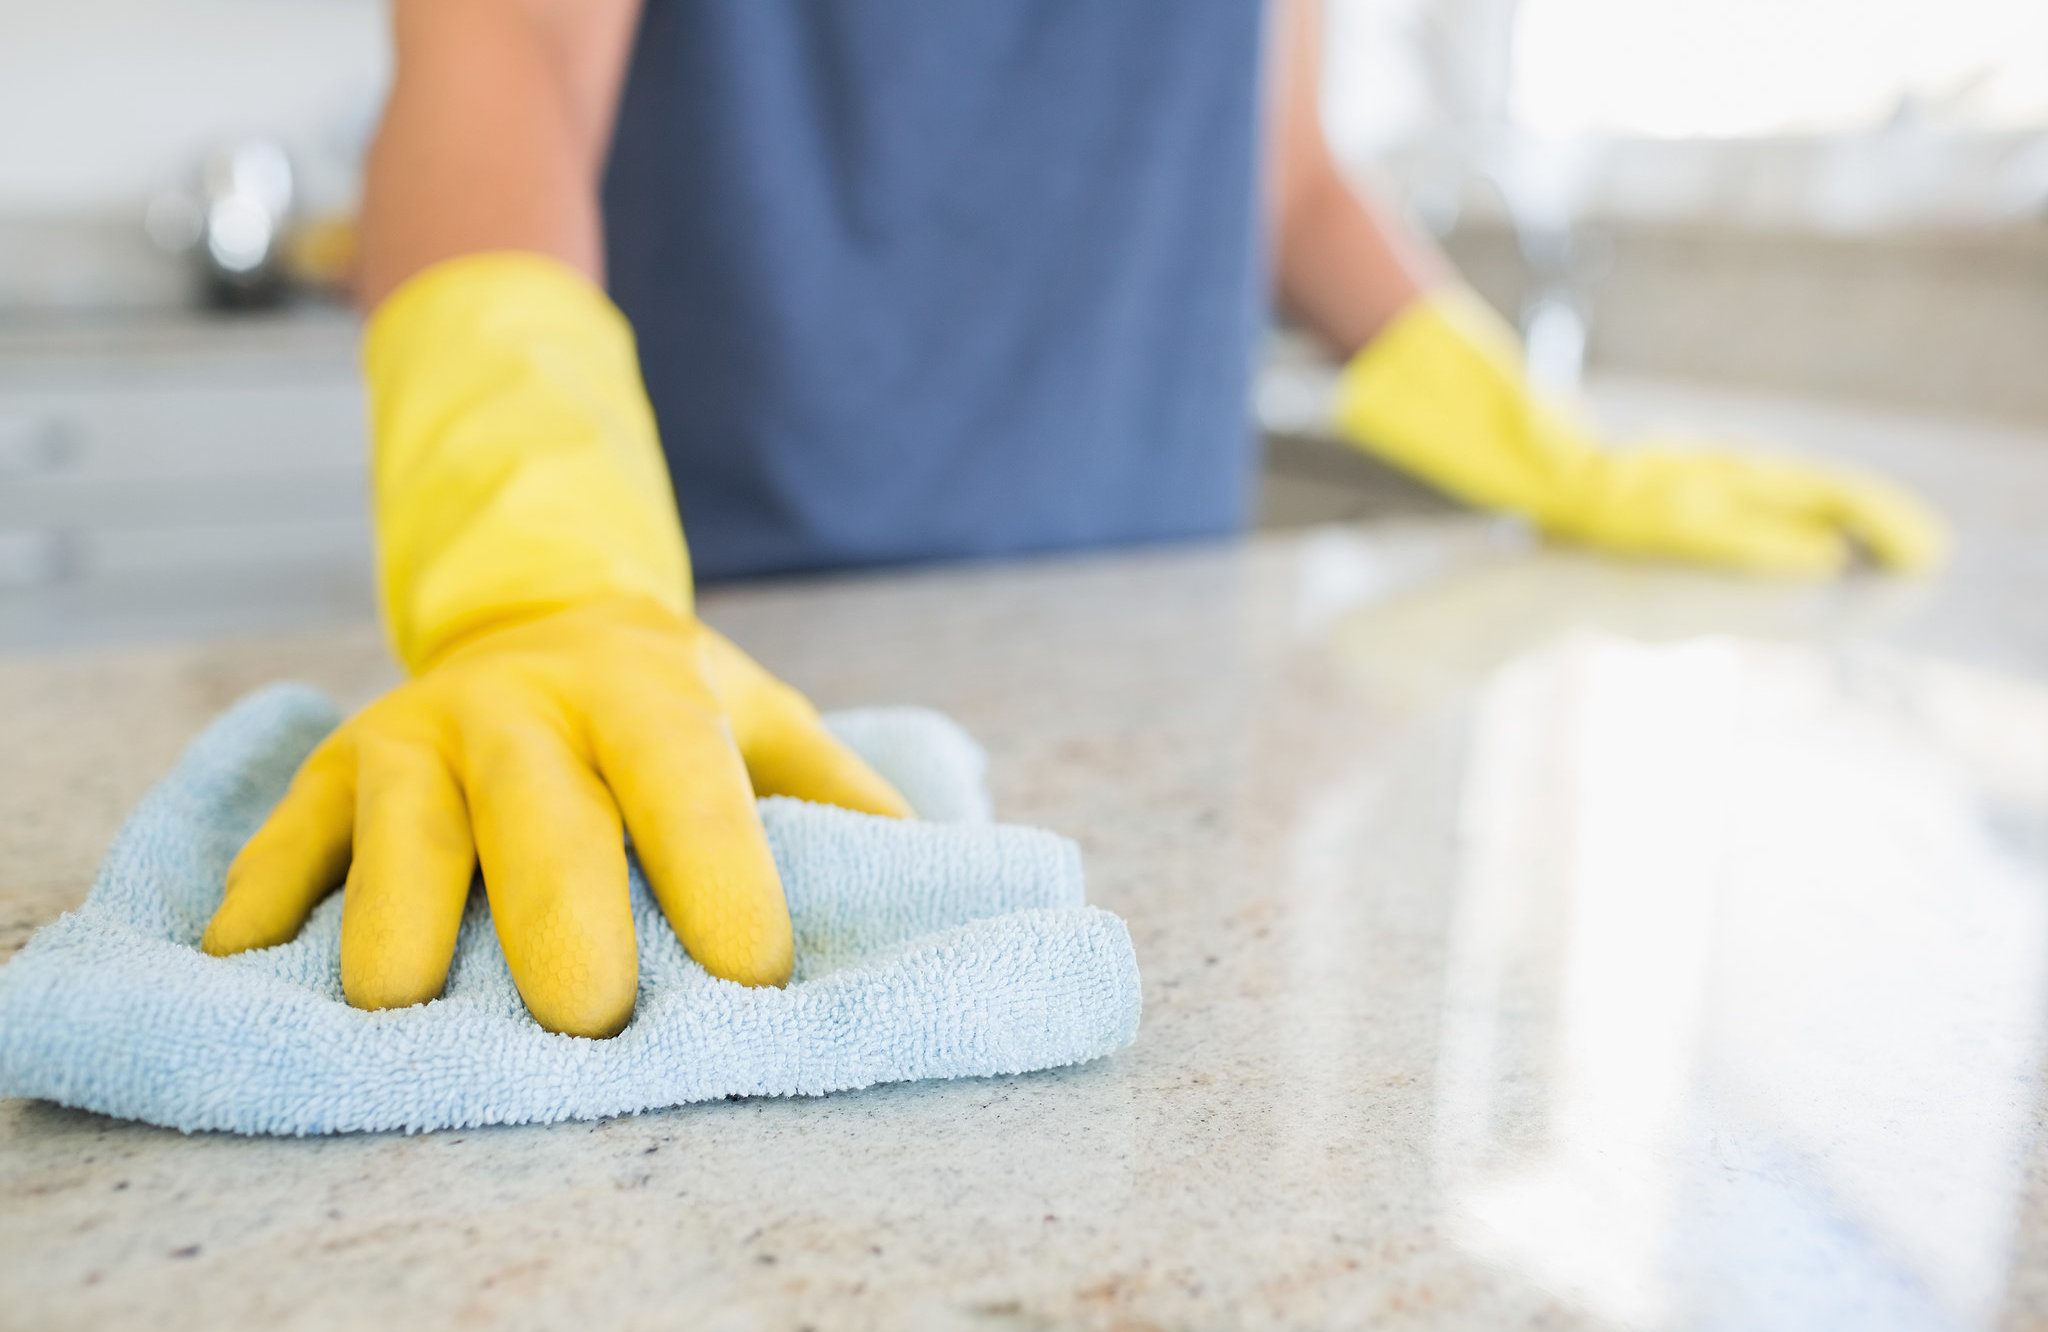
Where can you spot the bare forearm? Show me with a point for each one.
(1345, 264)
(494, 134)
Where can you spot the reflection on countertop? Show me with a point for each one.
(1527, 939)
(1744, 982)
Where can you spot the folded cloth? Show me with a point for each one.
(923, 950)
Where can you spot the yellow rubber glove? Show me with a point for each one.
(1440, 393)
(536, 585)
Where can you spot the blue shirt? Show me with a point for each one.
(923, 279)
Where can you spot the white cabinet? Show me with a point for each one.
(185, 479)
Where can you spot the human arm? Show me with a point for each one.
(534, 579)
(494, 134)
(1344, 264)
(1433, 384)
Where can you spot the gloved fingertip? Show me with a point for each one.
(868, 792)
(733, 920)
(389, 988)
(757, 968)
(1913, 543)
(247, 917)
(216, 941)
(234, 931)
(598, 1015)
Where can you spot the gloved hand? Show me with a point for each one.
(522, 747)
(1440, 393)
(536, 584)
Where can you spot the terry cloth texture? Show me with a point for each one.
(923, 950)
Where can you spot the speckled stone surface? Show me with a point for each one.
(1267, 753)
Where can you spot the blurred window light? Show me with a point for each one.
(1375, 85)
(1755, 68)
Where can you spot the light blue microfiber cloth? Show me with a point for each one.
(931, 949)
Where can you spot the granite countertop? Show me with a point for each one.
(1446, 1025)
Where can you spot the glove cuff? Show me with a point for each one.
(1441, 394)
(516, 467)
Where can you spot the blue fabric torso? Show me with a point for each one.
(918, 279)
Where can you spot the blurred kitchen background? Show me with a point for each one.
(1838, 201)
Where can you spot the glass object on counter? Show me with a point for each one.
(233, 223)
